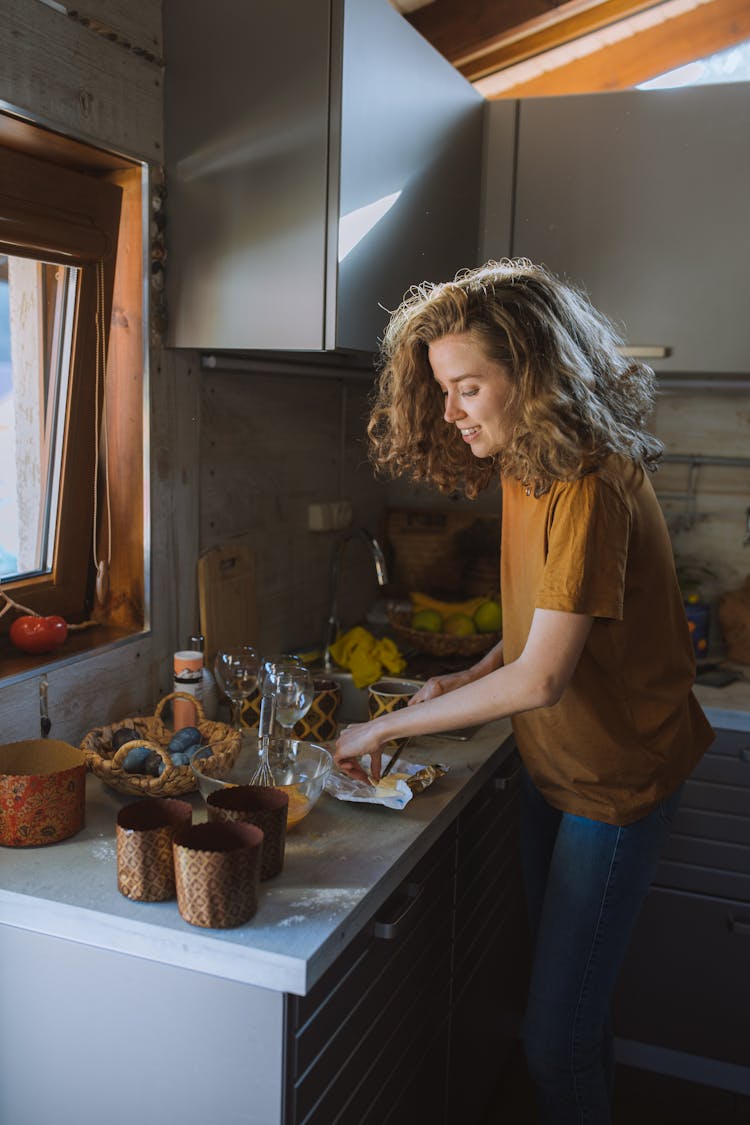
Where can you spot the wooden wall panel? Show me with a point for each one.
(72, 79)
(138, 25)
(175, 491)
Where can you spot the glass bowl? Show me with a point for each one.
(299, 768)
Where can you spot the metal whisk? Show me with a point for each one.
(263, 774)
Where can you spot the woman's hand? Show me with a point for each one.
(441, 685)
(352, 743)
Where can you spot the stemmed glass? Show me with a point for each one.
(287, 689)
(237, 673)
(293, 690)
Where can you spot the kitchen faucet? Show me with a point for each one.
(338, 553)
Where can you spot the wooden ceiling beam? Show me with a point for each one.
(481, 36)
(634, 51)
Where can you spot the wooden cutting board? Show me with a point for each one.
(227, 598)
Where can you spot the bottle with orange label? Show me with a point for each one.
(188, 680)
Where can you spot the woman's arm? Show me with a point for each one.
(536, 679)
(441, 685)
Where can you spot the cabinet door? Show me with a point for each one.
(370, 1039)
(246, 128)
(642, 197)
(409, 173)
(685, 984)
(491, 948)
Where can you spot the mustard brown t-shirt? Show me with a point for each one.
(627, 729)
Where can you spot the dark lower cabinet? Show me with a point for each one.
(490, 950)
(413, 1020)
(685, 984)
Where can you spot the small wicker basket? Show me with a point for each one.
(106, 763)
(438, 644)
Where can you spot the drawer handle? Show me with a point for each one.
(502, 783)
(390, 930)
(745, 754)
(737, 926)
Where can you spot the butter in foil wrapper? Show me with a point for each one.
(419, 781)
(393, 791)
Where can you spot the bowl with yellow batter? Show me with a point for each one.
(299, 768)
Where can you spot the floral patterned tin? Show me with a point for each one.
(42, 792)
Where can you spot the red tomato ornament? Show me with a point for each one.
(38, 634)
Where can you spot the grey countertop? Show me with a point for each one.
(342, 862)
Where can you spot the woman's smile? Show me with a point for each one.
(475, 390)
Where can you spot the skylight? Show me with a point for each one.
(731, 65)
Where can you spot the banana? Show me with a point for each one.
(468, 607)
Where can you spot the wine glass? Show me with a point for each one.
(293, 690)
(237, 672)
(287, 690)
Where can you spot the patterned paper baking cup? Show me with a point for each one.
(145, 833)
(217, 871)
(42, 792)
(261, 805)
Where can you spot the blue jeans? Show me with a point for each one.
(585, 883)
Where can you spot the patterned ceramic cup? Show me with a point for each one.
(261, 805)
(391, 695)
(318, 725)
(145, 832)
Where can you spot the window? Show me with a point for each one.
(732, 65)
(71, 440)
(37, 317)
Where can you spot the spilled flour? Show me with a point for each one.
(292, 920)
(330, 897)
(104, 851)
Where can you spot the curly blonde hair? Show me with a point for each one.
(574, 399)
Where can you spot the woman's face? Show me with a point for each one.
(475, 391)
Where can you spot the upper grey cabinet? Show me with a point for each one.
(643, 197)
(321, 158)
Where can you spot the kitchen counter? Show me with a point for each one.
(729, 706)
(342, 862)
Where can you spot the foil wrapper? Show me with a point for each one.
(404, 781)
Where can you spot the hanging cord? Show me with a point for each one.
(102, 565)
(8, 604)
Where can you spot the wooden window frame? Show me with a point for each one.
(93, 211)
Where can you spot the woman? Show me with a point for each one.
(507, 373)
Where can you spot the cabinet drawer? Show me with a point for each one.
(714, 854)
(716, 796)
(343, 982)
(685, 982)
(707, 824)
(355, 1072)
(346, 1036)
(731, 744)
(702, 880)
(724, 769)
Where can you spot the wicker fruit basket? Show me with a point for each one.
(438, 644)
(107, 763)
